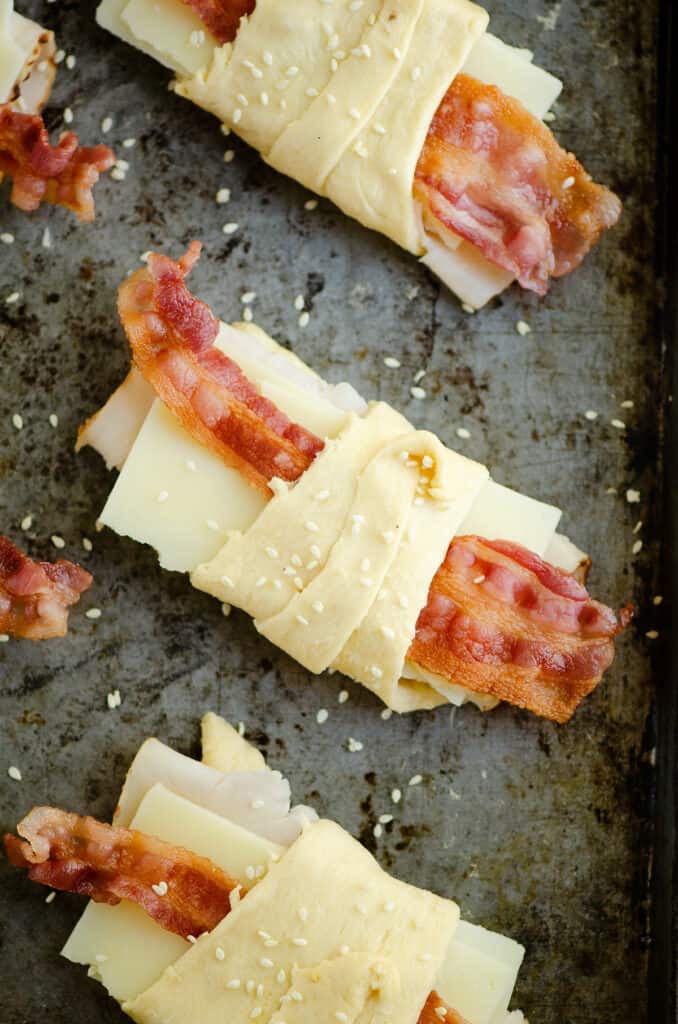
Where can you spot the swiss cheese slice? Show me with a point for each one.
(225, 749)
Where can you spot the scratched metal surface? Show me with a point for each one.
(539, 831)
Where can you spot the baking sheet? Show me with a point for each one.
(540, 831)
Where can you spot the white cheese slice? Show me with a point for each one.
(479, 973)
(114, 428)
(183, 42)
(500, 513)
(125, 949)
(12, 56)
(511, 70)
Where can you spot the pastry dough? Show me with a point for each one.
(336, 569)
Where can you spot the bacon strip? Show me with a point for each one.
(35, 596)
(222, 17)
(84, 856)
(63, 174)
(499, 620)
(528, 633)
(493, 173)
(172, 336)
(183, 892)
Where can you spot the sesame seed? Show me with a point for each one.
(322, 496)
(404, 601)
(354, 745)
(68, 115)
(396, 53)
(272, 552)
(341, 1017)
(297, 996)
(248, 297)
(392, 362)
(268, 59)
(162, 497)
(632, 496)
(386, 714)
(260, 582)
(300, 942)
(211, 524)
(467, 308)
(230, 228)
(652, 634)
(263, 96)
(416, 780)
(113, 700)
(58, 541)
(17, 421)
(14, 773)
(299, 302)
(93, 613)
(50, 897)
(249, 871)
(344, 950)
(441, 1011)
(343, 696)
(304, 319)
(7, 237)
(87, 543)
(233, 983)
(192, 939)
(568, 183)
(386, 819)
(106, 125)
(53, 420)
(463, 433)
(229, 155)
(12, 298)
(388, 632)
(301, 620)
(296, 560)
(129, 143)
(223, 195)
(310, 204)
(628, 403)
(266, 962)
(219, 953)
(417, 392)
(257, 805)
(415, 74)
(637, 547)
(27, 522)
(354, 113)
(388, 536)
(311, 526)
(657, 600)
(591, 414)
(365, 581)
(376, 672)
(303, 913)
(256, 1012)
(237, 115)
(322, 716)
(227, 581)
(390, 906)
(318, 607)
(160, 889)
(523, 328)
(618, 424)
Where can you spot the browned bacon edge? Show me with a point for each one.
(35, 596)
(222, 17)
(185, 893)
(63, 174)
(526, 633)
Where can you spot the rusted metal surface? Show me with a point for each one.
(538, 830)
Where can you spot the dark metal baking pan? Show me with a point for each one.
(540, 831)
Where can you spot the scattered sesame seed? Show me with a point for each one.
(87, 543)
(53, 420)
(441, 1011)
(417, 392)
(568, 183)
(377, 831)
(311, 526)
(68, 115)
(229, 155)
(160, 889)
(419, 375)
(386, 819)
(591, 414)
(523, 328)
(12, 298)
(300, 942)
(343, 696)
(301, 620)
(7, 237)
(354, 113)
(17, 421)
(223, 195)
(106, 125)
(416, 780)
(113, 700)
(230, 228)
(4, 638)
(93, 613)
(632, 496)
(272, 552)
(318, 607)
(392, 362)
(257, 805)
(162, 497)
(256, 1012)
(227, 581)
(637, 547)
(129, 143)
(376, 672)
(14, 773)
(211, 524)
(657, 600)
(463, 433)
(652, 634)
(354, 746)
(341, 1017)
(50, 897)
(27, 522)
(58, 541)
(303, 913)
(618, 424)
(266, 961)
(386, 714)
(304, 319)
(234, 983)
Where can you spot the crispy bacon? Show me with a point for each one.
(527, 632)
(63, 174)
(35, 596)
(494, 174)
(222, 17)
(107, 864)
(500, 620)
(172, 336)
(183, 892)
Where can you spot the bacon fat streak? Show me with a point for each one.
(185, 893)
(63, 174)
(528, 633)
(492, 173)
(35, 596)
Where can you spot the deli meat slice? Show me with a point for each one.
(183, 892)
(494, 174)
(499, 620)
(35, 596)
(64, 174)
